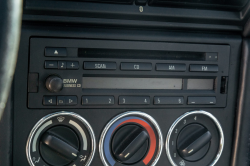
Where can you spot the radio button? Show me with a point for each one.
(136, 66)
(70, 100)
(201, 100)
(168, 100)
(131, 100)
(55, 52)
(49, 100)
(98, 100)
(204, 68)
(99, 65)
(73, 65)
(61, 64)
(50, 65)
(170, 67)
(60, 100)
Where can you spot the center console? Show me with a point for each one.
(131, 99)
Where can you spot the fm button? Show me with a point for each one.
(204, 68)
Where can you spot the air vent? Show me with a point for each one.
(111, 1)
(201, 3)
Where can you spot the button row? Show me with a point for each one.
(71, 65)
(148, 66)
(59, 100)
(126, 100)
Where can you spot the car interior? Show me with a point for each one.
(124, 83)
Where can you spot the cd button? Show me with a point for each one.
(136, 66)
(204, 68)
(170, 67)
(100, 65)
(168, 100)
(140, 100)
(49, 100)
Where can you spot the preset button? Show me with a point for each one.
(98, 100)
(161, 100)
(140, 100)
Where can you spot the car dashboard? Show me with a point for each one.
(130, 82)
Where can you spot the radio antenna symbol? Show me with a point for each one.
(60, 119)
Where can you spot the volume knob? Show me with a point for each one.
(54, 83)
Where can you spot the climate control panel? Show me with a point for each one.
(59, 139)
(130, 138)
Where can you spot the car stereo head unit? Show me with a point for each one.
(81, 73)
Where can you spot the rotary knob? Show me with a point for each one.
(59, 146)
(131, 138)
(130, 144)
(193, 142)
(194, 139)
(61, 139)
(54, 83)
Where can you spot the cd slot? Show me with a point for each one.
(143, 54)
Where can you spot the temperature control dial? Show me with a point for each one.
(131, 138)
(194, 139)
(61, 139)
(130, 144)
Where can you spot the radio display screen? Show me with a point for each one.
(131, 83)
(200, 84)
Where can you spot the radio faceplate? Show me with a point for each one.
(80, 73)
